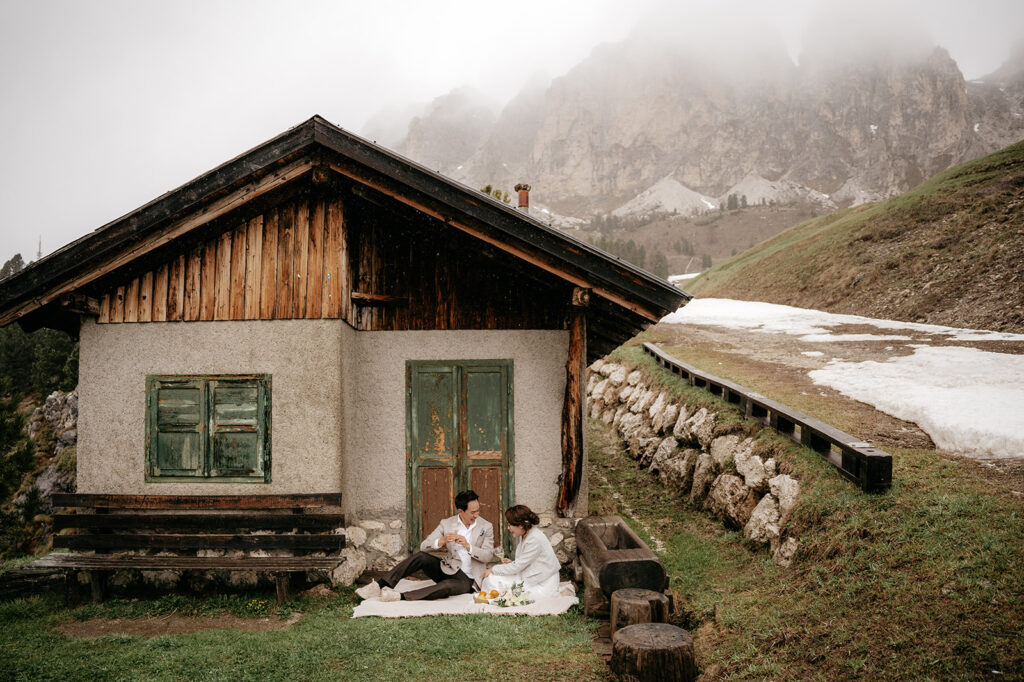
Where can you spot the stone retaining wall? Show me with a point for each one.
(736, 479)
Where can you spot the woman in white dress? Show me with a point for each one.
(535, 564)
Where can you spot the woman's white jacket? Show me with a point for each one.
(535, 559)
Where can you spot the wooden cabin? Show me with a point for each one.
(321, 315)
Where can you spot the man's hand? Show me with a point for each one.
(505, 560)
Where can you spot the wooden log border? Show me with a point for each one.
(855, 460)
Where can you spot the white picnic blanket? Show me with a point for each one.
(460, 604)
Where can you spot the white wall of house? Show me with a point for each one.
(299, 354)
(338, 403)
(375, 476)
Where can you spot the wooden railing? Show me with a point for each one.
(867, 466)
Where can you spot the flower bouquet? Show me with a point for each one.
(513, 596)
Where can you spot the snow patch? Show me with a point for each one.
(968, 400)
(783, 319)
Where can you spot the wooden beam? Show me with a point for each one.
(253, 267)
(238, 261)
(573, 406)
(268, 272)
(300, 259)
(315, 260)
(81, 304)
(285, 225)
(364, 298)
(176, 289)
(160, 282)
(194, 502)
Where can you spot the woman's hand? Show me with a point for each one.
(506, 560)
(486, 573)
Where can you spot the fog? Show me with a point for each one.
(108, 104)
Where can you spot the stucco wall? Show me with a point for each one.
(375, 411)
(299, 354)
(355, 438)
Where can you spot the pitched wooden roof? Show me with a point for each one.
(624, 299)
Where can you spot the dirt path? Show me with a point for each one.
(171, 625)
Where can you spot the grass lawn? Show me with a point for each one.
(327, 644)
(922, 582)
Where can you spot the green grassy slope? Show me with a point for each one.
(948, 252)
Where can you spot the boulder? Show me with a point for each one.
(629, 424)
(786, 490)
(679, 430)
(621, 412)
(731, 501)
(678, 471)
(657, 407)
(701, 427)
(618, 377)
(596, 406)
(353, 563)
(750, 467)
(666, 449)
(386, 543)
(763, 525)
(785, 553)
(611, 394)
(722, 450)
(650, 448)
(355, 536)
(634, 377)
(667, 418)
(703, 476)
(625, 393)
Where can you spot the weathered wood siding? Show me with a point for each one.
(339, 256)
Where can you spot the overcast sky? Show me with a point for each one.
(104, 105)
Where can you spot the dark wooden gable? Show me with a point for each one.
(328, 251)
(318, 223)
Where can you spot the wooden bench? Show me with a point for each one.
(126, 531)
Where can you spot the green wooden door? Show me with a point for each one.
(458, 436)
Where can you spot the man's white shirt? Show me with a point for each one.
(463, 553)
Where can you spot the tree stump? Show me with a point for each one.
(653, 651)
(632, 605)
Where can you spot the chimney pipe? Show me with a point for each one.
(524, 196)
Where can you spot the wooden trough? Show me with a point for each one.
(610, 557)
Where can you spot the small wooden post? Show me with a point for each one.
(574, 405)
(653, 651)
(282, 587)
(631, 606)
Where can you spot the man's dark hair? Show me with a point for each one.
(463, 499)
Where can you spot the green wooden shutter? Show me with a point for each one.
(176, 427)
(484, 468)
(238, 416)
(432, 440)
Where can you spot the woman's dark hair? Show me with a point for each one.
(520, 515)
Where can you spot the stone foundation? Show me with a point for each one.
(731, 477)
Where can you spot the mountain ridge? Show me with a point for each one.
(632, 113)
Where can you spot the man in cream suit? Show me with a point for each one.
(453, 556)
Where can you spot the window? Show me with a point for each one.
(208, 428)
